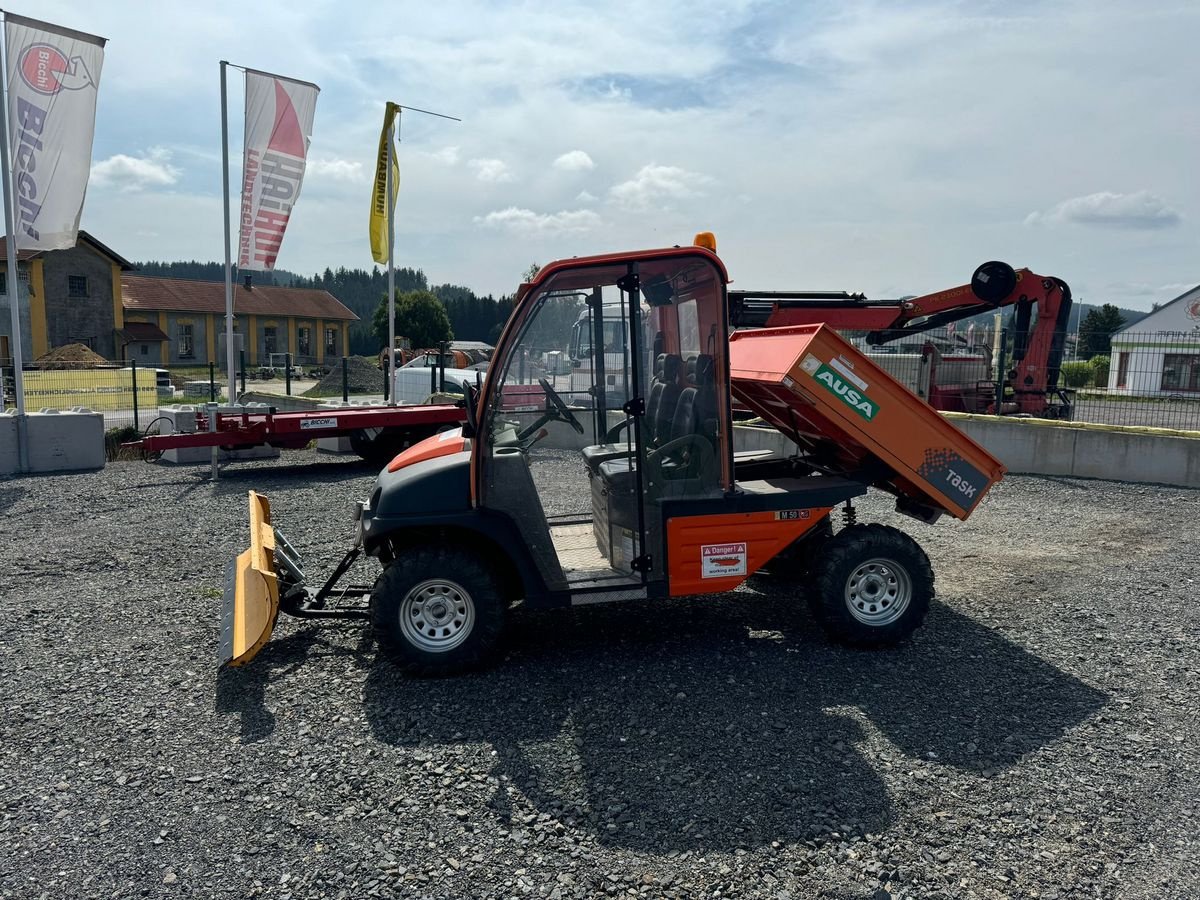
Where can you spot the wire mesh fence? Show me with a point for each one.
(1144, 379)
(131, 396)
(128, 396)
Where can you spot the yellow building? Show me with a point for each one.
(90, 295)
(181, 322)
(66, 297)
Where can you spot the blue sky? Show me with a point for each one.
(888, 148)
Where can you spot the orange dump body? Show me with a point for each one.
(850, 417)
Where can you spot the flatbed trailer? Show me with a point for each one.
(376, 433)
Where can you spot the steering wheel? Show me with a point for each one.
(469, 401)
(564, 413)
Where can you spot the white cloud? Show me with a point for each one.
(336, 169)
(526, 221)
(586, 197)
(135, 173)
(853, 131)
(654, 186)
(574, 161)
(1139, 210)
(493, 170)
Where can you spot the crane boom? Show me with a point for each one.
(1037, 344)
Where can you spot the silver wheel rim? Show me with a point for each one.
(878, 592)
(437, 615)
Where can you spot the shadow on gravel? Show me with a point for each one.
(9, 495)
(242, 691)
(729, 722)
(192, 478)
(265, 479)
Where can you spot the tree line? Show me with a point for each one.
(427, 315)
(467, 315)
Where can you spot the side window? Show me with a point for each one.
(689, 329)
(186, 350)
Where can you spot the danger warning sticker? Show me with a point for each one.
(722, 560)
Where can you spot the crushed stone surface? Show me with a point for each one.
(1037, 738)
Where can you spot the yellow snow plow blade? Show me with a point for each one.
(251, 601)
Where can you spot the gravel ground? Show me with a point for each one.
(1182, 414)
(1038, 738)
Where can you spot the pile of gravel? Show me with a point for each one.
(1038, 738)
(363, 374)
(71, 356)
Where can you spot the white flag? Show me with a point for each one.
(53, 75)
(279, 120)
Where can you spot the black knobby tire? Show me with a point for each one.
(429, 590)
(872, 585)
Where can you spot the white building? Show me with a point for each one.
(1159, 356)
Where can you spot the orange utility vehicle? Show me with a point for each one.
(647, 500)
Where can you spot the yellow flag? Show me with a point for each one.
(379, 208)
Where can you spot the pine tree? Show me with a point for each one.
(1096, 330)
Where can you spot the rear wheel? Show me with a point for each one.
(873, 585)
(437, 610)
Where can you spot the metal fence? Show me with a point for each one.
(1146, 378)
(131, 396)
(127, 396)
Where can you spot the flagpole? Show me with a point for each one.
(230, 353)
(391, 268)
(12, 282)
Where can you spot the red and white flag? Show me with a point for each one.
(53, 74)
(279, 121)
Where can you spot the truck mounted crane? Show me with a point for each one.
(1037, 347)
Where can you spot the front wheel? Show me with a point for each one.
(437, 610)
(873, 585)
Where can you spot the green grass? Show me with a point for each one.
(1100, 397)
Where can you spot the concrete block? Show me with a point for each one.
(334, 445)
(1136, 457)
(65, 441)
(182, 420)
(1040, 447)
(9, 457)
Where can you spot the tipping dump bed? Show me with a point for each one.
(851, 417)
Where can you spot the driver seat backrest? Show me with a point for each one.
(706, 395)
(686, 418)
(664, 415)
(654, 400)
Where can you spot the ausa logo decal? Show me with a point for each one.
(856, 399)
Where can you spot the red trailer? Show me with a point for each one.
(377, 433)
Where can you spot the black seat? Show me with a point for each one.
(664, 413)
(683, 463)
(660, 411)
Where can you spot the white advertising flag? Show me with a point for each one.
(53, 75)
(279, 121)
